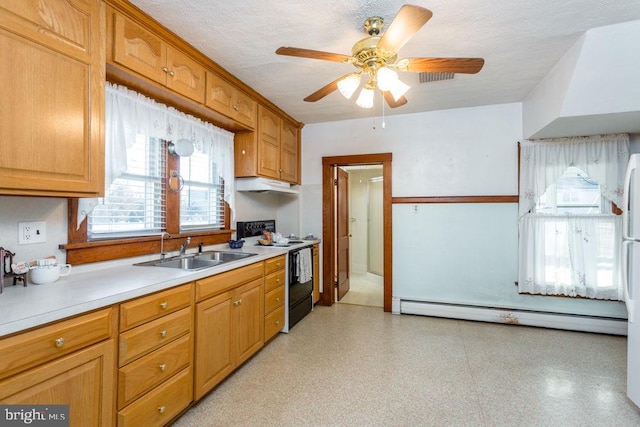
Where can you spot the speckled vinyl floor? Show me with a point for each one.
(350, 365)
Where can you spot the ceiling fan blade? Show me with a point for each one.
(406, 23)
(444, 65)
(324, 91)
(392, 102)
(314, 54)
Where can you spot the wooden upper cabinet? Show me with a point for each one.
(289, 147)
(225, 98)
(147, 54)
(268, 143)
(52, 55)
(272, 151)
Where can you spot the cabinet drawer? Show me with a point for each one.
(150, 370)
(274, 264)
(273, 281)
(273, 299)
(161, 404)
(221, 282)
(273, 323)
(24, 350)
(142, 310)
(146, 338)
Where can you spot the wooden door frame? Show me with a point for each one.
(327, 297)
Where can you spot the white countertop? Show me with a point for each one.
(103, 284)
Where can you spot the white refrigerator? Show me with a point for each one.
(631, 273)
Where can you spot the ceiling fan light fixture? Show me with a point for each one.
(349, 84)
(365, 99)
(386, 78)
(398, 89)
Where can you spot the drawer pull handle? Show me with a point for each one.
(163, 367)
(164, 305)
(163, 333)
(59, 342)
(161, 409)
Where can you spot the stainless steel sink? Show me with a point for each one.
(223, 256)
(198, 261)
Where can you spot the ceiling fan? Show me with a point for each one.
(376, 58)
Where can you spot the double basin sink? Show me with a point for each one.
(198, 261)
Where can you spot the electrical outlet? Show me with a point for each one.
(32, 232)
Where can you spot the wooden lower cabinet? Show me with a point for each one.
(274, 296)
(229, 328)
(155, 375)
(160, 405)
(84, 380)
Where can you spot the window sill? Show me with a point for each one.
(107, 250)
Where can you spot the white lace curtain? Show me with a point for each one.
(604, 158)
(572, 255)
(129, 113)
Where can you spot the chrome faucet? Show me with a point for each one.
(162, 234)
(184, 246)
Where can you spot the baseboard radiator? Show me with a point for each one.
(571, 322)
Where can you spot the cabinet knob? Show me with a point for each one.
(235, 107)
(59, 342)
(163, 333)
(163, 367)
(165, 69)
(164, 305)
(278, 299)
(244, 151)
(171, 73)
(161, 409)
(278, 280)
(277, 322)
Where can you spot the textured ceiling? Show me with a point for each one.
(520, 40)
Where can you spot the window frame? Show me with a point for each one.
(80, 250)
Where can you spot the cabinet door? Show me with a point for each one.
(220, 95)
(246, 109)
(52, 59)
(268, 143)
(289, 153)
(185, 76)
(248, 320)
(213, 358)
(139, 49)
(82, 380)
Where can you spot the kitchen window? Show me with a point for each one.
(135, 203)
(150, 192)
(569, 233)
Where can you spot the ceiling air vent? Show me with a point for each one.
(434, 77)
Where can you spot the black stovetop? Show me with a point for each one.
(254, 228)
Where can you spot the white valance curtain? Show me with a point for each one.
(571, 255)
(129, 113)
(604, 158)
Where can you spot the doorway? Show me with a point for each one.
(331, 244)
(366, 234)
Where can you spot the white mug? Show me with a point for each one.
(41, 274)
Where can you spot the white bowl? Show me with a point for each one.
(42, 274)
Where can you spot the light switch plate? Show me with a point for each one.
(32, 232)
